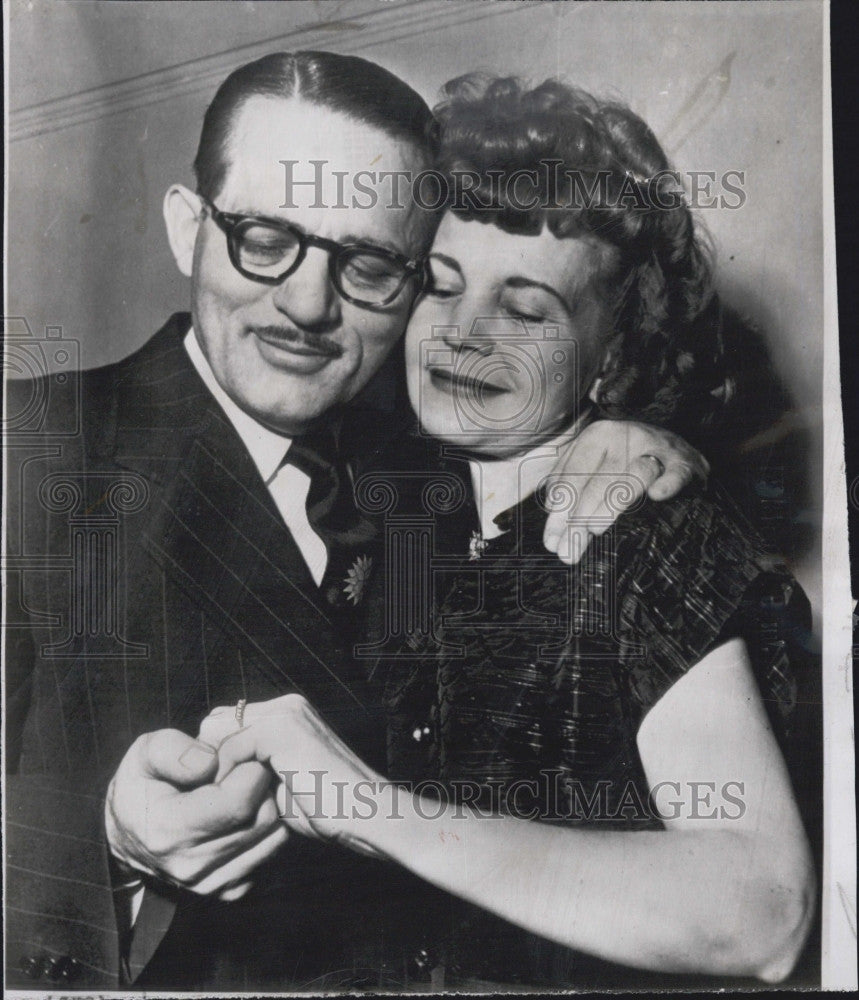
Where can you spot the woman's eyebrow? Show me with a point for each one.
(530, 283)
(447, 261)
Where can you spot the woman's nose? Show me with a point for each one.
(459, 339)
(308, 297)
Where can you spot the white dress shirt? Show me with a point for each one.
(287, 485)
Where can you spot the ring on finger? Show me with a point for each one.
(240, 712)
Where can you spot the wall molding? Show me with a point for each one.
(392, 21)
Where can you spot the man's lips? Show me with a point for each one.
(297, 343)
(449, 381)
(296, 349)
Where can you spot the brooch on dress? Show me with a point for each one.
(476, 546)
(357, 577)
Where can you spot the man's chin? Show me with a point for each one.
(294, 419)
(299, 403)
(293, 424)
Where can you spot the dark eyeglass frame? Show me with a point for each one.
(232, 225)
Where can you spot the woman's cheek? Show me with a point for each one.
(413, 371)
(418, 333)
(425, 316)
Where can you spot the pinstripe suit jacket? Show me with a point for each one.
(150, 579)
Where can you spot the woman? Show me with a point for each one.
(573, 728)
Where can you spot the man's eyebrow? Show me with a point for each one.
(447, 261)
(369, 241)
(252, 213)
(349, 238)
(530, 283)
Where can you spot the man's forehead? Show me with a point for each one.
(324, 171)
(269, 131)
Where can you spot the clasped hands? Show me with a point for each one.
(204, 814)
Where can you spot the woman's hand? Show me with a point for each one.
(325, 790)
(609, 468)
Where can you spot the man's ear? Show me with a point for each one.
(182, 218)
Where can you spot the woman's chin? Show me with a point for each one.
(480, 443)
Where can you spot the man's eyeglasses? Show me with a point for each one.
(269, 250)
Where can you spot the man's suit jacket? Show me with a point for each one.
(151, 578)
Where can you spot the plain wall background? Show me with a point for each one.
(106, 101)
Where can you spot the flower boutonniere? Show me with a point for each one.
(357, 577)
(476, 545)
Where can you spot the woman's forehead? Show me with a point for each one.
(484, 250)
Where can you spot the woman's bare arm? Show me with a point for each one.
(726, 888)
(714, 892)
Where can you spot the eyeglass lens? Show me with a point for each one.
(269, 251)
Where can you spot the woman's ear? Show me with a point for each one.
(182, 217)
(593, 392)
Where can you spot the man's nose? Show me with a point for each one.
(308, 297)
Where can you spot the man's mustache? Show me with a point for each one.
(318, 342)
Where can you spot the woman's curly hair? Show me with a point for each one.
(665, 363)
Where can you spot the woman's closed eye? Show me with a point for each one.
(533, 303)
(440, 292)
(530, 311)
(526, 317)
(445, 281)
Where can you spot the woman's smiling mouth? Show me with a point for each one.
(452, 382)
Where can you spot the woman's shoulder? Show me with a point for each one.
(702, 531)
(691, 573)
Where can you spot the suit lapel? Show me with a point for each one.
(215, 530)
(212, 528)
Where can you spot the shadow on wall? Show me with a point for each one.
(764, 448)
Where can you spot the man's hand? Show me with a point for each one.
(606, 470)
(326, 789)
(165, 815)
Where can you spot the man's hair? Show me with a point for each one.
(666, 360)
(349, 85)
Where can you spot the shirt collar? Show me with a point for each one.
(501, 484)
(267, 448)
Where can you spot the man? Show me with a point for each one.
(168, 564)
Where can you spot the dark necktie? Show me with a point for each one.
(333, 515)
